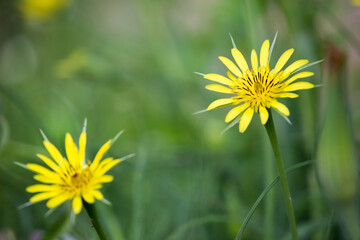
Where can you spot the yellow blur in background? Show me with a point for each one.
(41, 10)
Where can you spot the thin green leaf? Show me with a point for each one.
(263, 194)
(195, 223)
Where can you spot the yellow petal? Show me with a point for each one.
(294, 66)
(54, 152)
(298, 86)
(43, 196)
(287, 95)
(264, 115)
(218, 88)
(219, 103)
(254, 59)
(218, 78)
(104, 179)
(82, 146)
(280, 107)
(71, 149)
(239, 59)
(49, 162)
(104, 148)
(104, 169)
(77, 204)
(41, 188)
(42, 170)
(283, 59)
(297, 76)
(264, 53)
(231, 66)
(246, 119)
(233, 113)
(105, 161)
(88, 198)
(231, 76)
(46, 179)
(56, 201)
(98, 195)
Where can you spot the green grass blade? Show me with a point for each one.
(263, 194)
(195, 223)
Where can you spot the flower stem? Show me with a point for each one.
(270, 129)
(90, 209)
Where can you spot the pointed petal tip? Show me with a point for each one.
(84, 125)
(117, 136)
(201, 74)
(43, 135)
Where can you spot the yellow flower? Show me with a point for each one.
(71, 178)
(257, 89)
(39, 10)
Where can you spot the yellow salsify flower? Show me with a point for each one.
(71, 178)
(257, 89)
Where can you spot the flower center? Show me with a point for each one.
(257, 87)
(79, 180)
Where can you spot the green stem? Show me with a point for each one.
(270, 129)
(90, 209)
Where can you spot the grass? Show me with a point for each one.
(129, 65)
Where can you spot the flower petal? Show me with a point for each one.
(49, 162)
(43, 196)
(219, 103)
(264, 53)
(283, 59)
(106, 167)
(287, 95)
(254, 59)
(231, 76)
(280, 107)
(56, 201)
(298, 86)
(218, 78)
(233, 113)
(294, 66)
(97, 194)
(42, 170)
(297, 76)
(54, 152)
(239, 59)
(77, 204)
(104, 179)
(104, 148)
(88, 197)
(41, 188)
(46, 179)
(218, 88)
(231, 66)
(71, 149)
(264, 114)
(82, 146)
(246, 119)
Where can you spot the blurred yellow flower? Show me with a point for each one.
(257, 89)
(39, 10)
(71, 178)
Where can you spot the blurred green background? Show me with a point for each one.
(129, 65)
